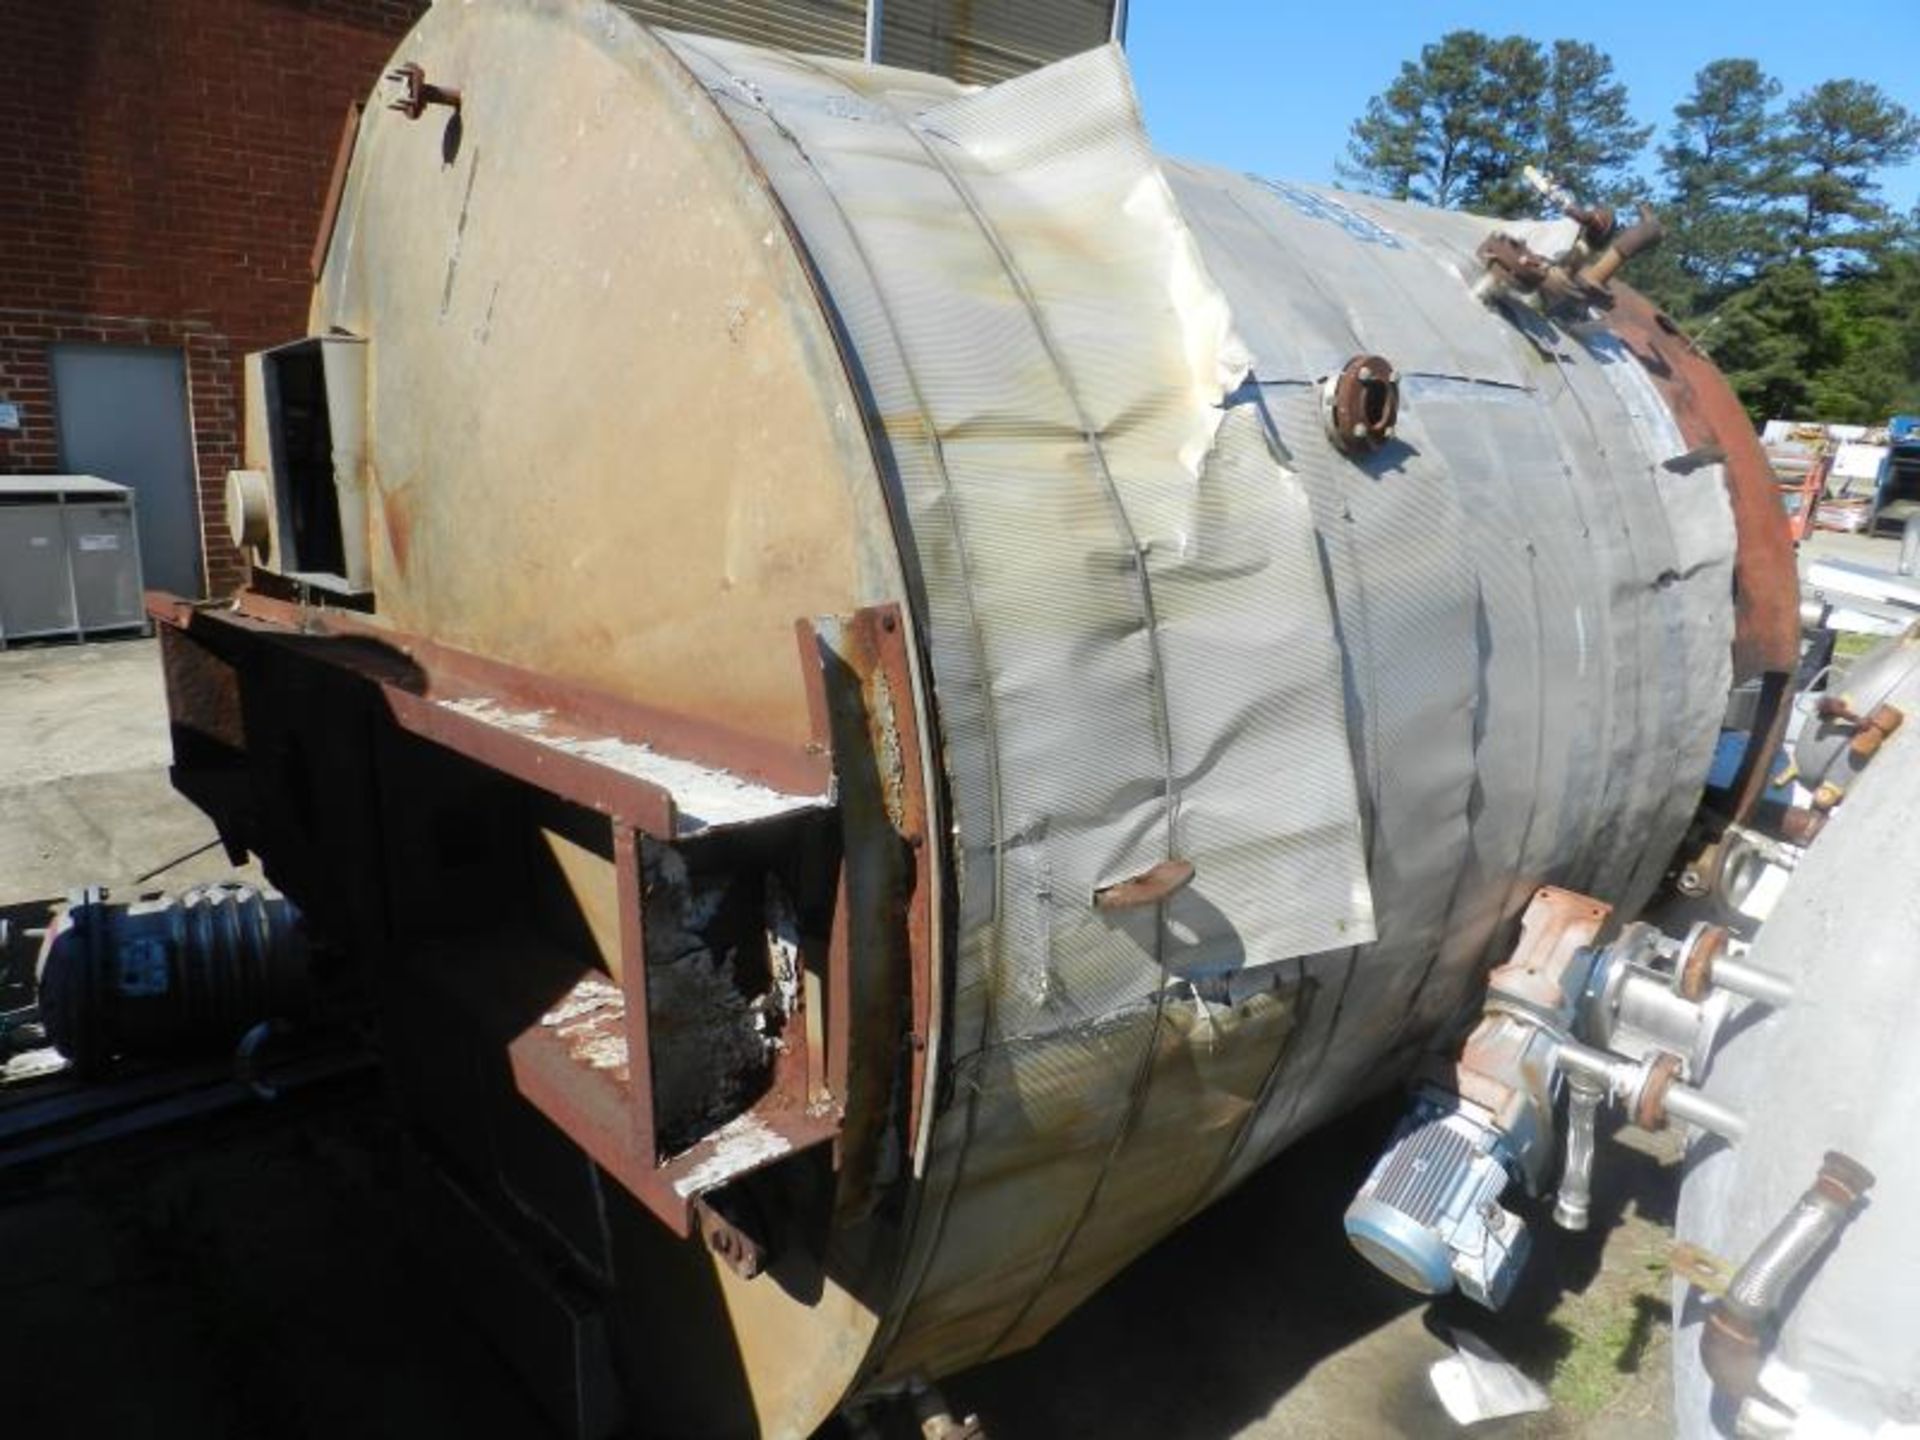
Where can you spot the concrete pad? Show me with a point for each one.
(81, 709)
(115, 828)
(1882, 552)
(84, 794)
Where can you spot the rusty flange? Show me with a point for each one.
(1362, 404)
(1694, 972)
(1650, 1106)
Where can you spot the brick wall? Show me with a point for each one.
(162, 168)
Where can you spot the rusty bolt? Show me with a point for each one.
(1836, 707)
(413, 93)
(1874, 731)
(1799, 825)
(1596, 222)
(741, 1253)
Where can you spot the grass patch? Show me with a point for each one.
(1849, 646)
(1609, 1333)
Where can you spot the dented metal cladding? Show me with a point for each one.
(1192, 763)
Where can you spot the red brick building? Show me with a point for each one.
(162, 167)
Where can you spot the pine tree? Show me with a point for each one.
(1458, 126)
(1839, 133)
(1725, 173)
(1771, 338)
(1425, 136)
(1590, 138)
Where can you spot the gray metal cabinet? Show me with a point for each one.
(35, 598)
(105, 555)
(69, 557)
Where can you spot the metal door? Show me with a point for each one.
(123, 416)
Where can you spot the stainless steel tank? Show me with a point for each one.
(1290, 581)
(1831, 1348)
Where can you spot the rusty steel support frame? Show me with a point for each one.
(872, 642)
(560, 1063)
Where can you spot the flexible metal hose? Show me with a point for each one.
(1732, 1342)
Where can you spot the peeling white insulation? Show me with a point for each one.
(704, 798)
(1374, 702)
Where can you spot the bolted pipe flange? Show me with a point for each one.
(1650, 1105)
(1693, 971)
(1361, 405)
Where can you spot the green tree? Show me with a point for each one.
(1840, 347)
(1428, 136)
(1458, 126)
(1724, 174)
(1771, 338)
(1589, 137)
(1873, 321)
(1839, 134)
(1513, 110)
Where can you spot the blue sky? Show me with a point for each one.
(1271, 85)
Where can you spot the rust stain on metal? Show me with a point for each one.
(399, 526)
(1556, 923)
(742, 1251)
(1644, 234)
(1149, 887)
(203, 690)
(873, 644)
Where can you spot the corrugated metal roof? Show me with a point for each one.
(815, 27)
(979, 43)
(973, 41)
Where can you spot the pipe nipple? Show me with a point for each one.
(1846, 1174)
